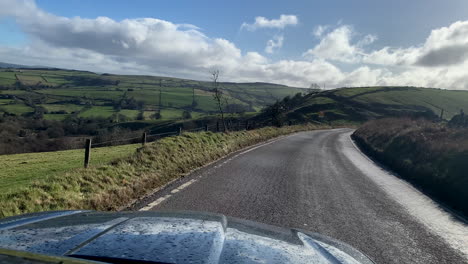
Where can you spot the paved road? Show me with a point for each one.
(308, 180)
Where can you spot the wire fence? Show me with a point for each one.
(148, 137)
(151, 137)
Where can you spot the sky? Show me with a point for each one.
(333, 43)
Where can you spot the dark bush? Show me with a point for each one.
(430, 155)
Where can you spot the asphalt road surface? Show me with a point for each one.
(321, 182)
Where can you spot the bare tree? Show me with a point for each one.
(218, 96)
(313, 88)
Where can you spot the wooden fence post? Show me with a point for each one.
(143, 139)
(247, 125)
(87, 152)
(180, 131)
(217, 126)
(206, 127)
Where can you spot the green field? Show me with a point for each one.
(98, 111)
(56, 117)
(62, 107)
(14, 92)
(30, 79)
(73, 89)
(435, 99)
(21, 170)
(7, 78)
(5, 101)
(16, 108)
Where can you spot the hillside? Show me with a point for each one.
(17, 66)
(366, 103)
(61, 93)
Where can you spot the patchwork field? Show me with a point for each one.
(63, 92)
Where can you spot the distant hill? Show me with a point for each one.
(18, 66)
(365, 103)
(69, 92)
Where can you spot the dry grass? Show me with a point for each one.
(431, 155)
(435, 136)
(111, 186)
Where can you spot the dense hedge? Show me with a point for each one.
(429, 155)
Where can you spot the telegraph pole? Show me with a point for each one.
(193, 98)
(160, 102)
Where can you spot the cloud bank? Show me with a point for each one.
(159, 47)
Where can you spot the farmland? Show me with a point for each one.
(63, 93)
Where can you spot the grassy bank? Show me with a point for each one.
(22, 170)
(110, 186)
(430, 155)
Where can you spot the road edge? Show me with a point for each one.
(133, 205)
(432, 226)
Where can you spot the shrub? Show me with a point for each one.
(430, 155)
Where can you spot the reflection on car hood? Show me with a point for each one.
(169, 237)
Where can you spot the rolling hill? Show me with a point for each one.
(65, 92)
(364, 103)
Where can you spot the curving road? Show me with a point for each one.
(321, 182)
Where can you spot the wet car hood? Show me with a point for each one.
(168, 237)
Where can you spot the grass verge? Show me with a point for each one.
(429, 155)
(110, 186)
(22, 170)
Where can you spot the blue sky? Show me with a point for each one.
(365, 42)
(396, 22)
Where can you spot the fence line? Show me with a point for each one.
(113, 141)
(218, 127)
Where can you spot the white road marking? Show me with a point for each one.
(167, 196)
(417, 204)
(185, 185)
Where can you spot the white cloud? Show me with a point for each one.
(438, 62)
(319, 30)
(148, 46)
(150, 42)
(367, 40)
(275, 43)
(392, 56)
(445, 47)
(336, 45)
(280, 23)
(159, 47)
